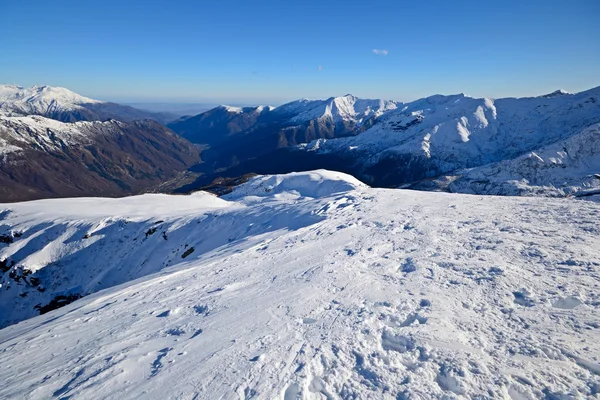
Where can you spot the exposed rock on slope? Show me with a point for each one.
(40, 157)
(234, 135)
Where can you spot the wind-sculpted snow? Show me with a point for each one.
(361, 294)
(315, 184)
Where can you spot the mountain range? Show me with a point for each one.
(64, 105)
(233, 135)
(392, 144)
(55, 143)
(543, 145)
(301, 282)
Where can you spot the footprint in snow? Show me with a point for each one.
(201, 309)
(408, 265)
(567, 303)
(524, 297)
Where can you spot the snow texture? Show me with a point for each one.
(303, 286)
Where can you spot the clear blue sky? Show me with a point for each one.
(277, 50)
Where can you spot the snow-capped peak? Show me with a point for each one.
(40, 100)
(344, 108)
(556, 93)
(42, 93)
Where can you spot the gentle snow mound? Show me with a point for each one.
(315, 184)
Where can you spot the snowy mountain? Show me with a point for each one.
(399, 144)
(345, 109)
(64, 105)
(42, 157)
(439, 134)
(234, 135)
(567, 167)
(309, 285)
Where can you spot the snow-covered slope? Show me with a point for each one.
(64, 105)
(273, 293)
(39, 100)
(42, 157)
(567, 167)
(439, 134)
(21, 133)
(346, 108)
(234, 135)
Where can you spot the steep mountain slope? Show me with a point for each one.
(440, 134)
(421, 140)
(41, 157)
(303, 286)
(567, 167)
(64, 105)
(234, 135)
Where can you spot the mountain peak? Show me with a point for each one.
(62, 104)
(556, 93)
(230, 109)
(42, 95)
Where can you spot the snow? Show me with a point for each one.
(318, 287)
(313, 184)
(19, 133)
(456, 132)
(567, 167)
(339, 109)
(235, 110)
(17, 100)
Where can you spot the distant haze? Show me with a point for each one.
(179, 109)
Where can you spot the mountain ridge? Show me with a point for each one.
(41, 157)
(396, 145)
(67, 106)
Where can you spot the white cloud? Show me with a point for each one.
(320, 68)
(380, 52)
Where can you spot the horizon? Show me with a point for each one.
(272, 53)
(214, 103)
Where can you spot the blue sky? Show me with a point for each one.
(272, 51)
